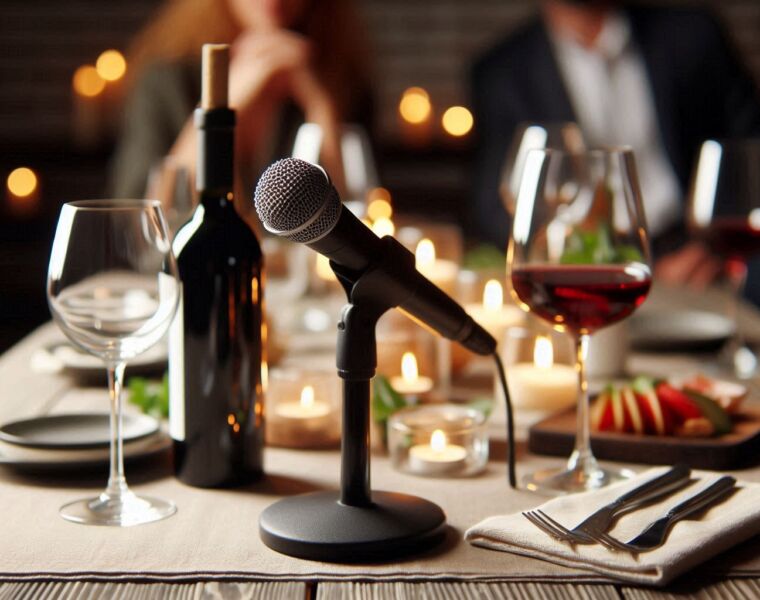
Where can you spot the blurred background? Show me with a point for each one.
(60, 109)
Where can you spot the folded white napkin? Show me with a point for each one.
(689, 543)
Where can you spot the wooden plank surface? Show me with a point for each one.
(207, 590)
(734, 589)
(464, 591)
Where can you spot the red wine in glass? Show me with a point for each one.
(582, 298)
(733, 238)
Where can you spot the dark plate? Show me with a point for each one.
(74, 431)
(680, 330)
(740, 448)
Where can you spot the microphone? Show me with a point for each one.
(295, 200)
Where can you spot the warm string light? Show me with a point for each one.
(111, 65)
(87, 82)
(457, 121)
(22, 182)
(414, 106)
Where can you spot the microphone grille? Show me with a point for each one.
(295, 199)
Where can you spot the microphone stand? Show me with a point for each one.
(357, 523)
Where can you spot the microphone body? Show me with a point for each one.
(295, 199)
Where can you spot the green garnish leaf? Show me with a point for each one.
(152, 397)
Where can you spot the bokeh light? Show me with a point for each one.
(457, 121)
(415, 105)
(22, 182)
(379, 209)
(87, 82)
(111, 65)
(383, 227)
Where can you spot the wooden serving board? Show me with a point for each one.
(740, 448)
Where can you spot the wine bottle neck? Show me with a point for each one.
(216, 143)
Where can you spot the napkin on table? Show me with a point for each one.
(689, 543)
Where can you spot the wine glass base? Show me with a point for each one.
(126, 510)
(558, 482)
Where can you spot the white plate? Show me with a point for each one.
(32, 460)
(64, 357)
(672, 330)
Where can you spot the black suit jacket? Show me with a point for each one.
(699, 87)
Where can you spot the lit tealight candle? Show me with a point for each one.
(306, 408)
(383, 226)
(542, 385)
(437, 457)
(411, 383)
(441, 272)
(492, 315)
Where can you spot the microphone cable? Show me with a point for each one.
(510, 424)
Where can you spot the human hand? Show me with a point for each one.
(264, 64)
(693, 266)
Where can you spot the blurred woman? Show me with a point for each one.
(292, 61)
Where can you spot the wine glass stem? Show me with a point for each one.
(117, 483)
(737, 279)
(582, 460)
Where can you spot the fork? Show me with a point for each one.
(655, 534)
(675, 478)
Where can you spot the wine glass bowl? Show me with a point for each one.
(113, 290)
(724, 212)
(579, 259)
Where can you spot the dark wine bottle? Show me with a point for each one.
(216, 344)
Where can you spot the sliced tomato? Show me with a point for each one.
(601, 413)
(658, 419)
(618, 412)
(682, 407)
(632, 410)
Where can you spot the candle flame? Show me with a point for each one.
(438, 441)
(543, 353)
(307, 396)
(493, 296)
(409, 371)
(424, 255)
(383, 226)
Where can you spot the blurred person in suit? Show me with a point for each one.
(292, 61)
(661, 80)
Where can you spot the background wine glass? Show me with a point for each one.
(112, 288)
(724, 211)
(566, 136)
(579, 259)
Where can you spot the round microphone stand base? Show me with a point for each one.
(318, 526)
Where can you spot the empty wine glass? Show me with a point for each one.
(579, 258)
(724, 211)
(112, 288)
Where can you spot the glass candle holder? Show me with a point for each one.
(303, 409)
(407, 355)
(540, 374)
(438, 440)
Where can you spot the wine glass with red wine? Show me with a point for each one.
(724, 212)
(579, 259)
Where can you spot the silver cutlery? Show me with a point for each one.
(655, 534)
(674, 479)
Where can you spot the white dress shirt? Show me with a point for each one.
(609, 89)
